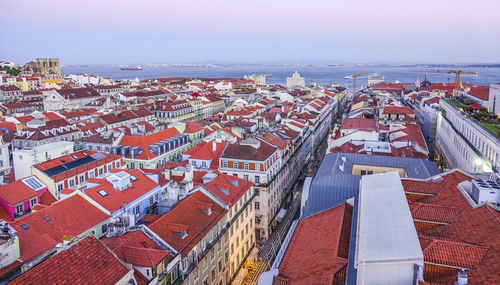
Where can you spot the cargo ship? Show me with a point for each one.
(138, 67)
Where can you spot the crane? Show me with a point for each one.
(457, 73)
(353, 77)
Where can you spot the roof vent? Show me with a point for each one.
(463, 279)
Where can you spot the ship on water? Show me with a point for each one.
(137, 67)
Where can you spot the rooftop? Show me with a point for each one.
(382, 205)
(42, 230)
(86, 261)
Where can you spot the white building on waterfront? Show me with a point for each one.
(295, 81)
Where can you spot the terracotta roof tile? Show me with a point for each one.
(186, 216)
(71, 216)
(87, 261)
(317, 249)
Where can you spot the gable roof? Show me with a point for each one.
(247, 152)
(71, 216)
(228, 188)
(319, 248)
(115, 198)
(18, 191)
(87, 261)
(145, 141)
(452, 232)
(188, 217)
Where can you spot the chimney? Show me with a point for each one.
(167, 174)
(463, 279)
(214, 146)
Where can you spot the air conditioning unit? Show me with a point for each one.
(485, 192)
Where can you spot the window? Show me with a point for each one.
(101, 171)
(205, 282)
(91, 174)
(232, 249)
(235, 165)
(257, 179)
(246, 166)
(175, 273)
(19, 208)
(141, 165)
(226, 256)
(147, 271)
(257, 206)
(224, 163)
(117, 164)
(245, 176)
(220, 265)
(60, 187)
(109, 167)
(82, 179)
(33, 202)
(213, 273)
(71, 182)
(151, 201)
(256, 192)
(137, 210)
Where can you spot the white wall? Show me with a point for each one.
(24, 159)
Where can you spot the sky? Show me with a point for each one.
(292, 31)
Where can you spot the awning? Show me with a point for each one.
(281, 214)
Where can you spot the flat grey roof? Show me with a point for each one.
(334, 182)
(385, 226)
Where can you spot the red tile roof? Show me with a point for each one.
(275, 141)
(481, 92)
(71, 216)
(87, 261)
(115, 198)
(187, 216)
(229, 188)
(17, 192)
(397, 110)
(78, 93)
(464, 239)
(318, 248)
(452, 253)
(145, 141)
(359, 124)
(64, 160)
(247, 152)
(204, 151)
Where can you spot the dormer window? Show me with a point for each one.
(178, 229)
(205, 207)
(223, 190)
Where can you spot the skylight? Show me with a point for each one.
(24, 226)
(133, 178)
(46, 218)
(102, 193)
(234, 182)
(33, 183)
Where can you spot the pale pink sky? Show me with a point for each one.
(108, 31)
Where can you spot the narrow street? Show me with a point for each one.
(270, 249)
